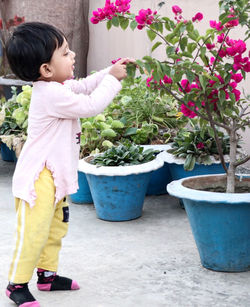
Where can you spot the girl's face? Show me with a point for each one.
(62, 63)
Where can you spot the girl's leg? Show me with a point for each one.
(58, 229)
(48, 263)
(32, 233)
(33, 225)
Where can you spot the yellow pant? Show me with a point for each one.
(39, 231)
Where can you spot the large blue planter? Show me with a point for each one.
(83, 194)
(219, 222)
(119, 191)
(119, 198)
(7, 154)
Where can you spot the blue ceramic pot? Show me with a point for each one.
(177, 170)
(160, 177)
(219, 222)
(118, 191)
(7, 154)
(119, 198)
(83, 194)
(159, 180)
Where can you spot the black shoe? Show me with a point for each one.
(20, 294)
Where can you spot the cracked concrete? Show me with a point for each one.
(149, 262)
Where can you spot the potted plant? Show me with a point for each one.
(203, 73)
(98, 134)
(194, 152)
(136, 114)
(14, 122)
(118, 180)
(151, 120)
(7, 79)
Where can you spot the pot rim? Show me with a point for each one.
(176, 188)
(172, 159)
(87, 168)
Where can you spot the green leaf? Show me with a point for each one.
(115, 21)
(202, 80)
(189, 162)
(222, 96)
(190, 76)
(133, 24)
(156, 45)
(203, 51)
(191, 47)
(147, 58)
(151, 34)
(183, 43)
(109, 24)
(124, 22)
(170, 50)
(130, 131)
(187, 54)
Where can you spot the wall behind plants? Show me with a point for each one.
(105, 45)
(70, 16)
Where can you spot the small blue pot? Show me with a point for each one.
(219, 222)
(83, 194)
(159, 180)
(119, 198)
(7, 154)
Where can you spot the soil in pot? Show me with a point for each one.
(215, 185)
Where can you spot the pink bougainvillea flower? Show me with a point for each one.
(114, 61)
(94, 20)
(220, 38)
(218, 26)
(210, 46)
(148, 81)
(236, 94)
(222, 53)
(212, 59)
(237, 77)
(197, 17)
(200, 145)
(145, 17)
(246, 67)
(176, 9)
(186, 111)
(232, 23)
(185, 85)
(167, 80)
(233, 84)
(110, 9)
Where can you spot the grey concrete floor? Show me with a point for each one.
(148, 262)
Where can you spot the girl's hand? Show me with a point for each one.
(118, 70)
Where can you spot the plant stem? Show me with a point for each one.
(232, 165)
(217, 140)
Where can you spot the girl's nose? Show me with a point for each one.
(73, 53)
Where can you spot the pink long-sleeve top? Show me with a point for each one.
(54, 131)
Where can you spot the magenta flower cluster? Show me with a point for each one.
(213, 96)
(145, 17)
(166, 80)
(178, 11)
(232, 48)
(110, 9)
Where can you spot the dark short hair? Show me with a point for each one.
(31, 45)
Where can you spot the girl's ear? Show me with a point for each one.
(45, 71)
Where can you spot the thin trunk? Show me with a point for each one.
(232, 168)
